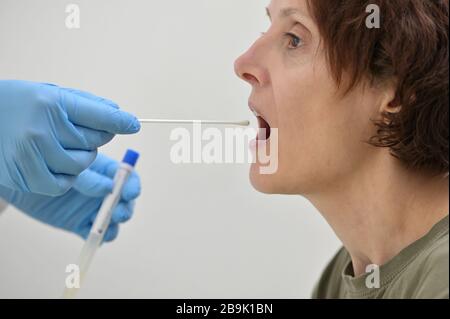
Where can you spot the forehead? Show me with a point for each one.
(283, 10)
(278, 6)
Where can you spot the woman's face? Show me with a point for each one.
(321, 134)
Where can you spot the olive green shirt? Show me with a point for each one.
(421, 271)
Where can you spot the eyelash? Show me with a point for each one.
(294, 37)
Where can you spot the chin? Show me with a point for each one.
(263, 183)
(278, 183)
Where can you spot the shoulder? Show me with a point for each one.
(330, 281)
(431, 272)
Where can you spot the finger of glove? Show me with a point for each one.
(94, 138)
(37, 177)
(111, 233)
(62, 161)
(93, 97)
(108, 167)
(93, 184)
(97, 115)
(123, 212)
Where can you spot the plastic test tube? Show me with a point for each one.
(103, 218)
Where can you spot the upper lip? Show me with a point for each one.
(261, 119)
(255, 110)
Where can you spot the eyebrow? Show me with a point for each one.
(286, 12)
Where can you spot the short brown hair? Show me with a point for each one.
(411, 48)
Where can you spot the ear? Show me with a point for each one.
(389, 102)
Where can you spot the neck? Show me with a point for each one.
(382, 208)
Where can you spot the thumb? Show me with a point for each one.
(93, 184)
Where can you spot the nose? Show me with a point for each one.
(250, 66)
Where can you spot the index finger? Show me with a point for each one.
(97, 115)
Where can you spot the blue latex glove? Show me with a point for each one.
(76, 210)
(49, 134)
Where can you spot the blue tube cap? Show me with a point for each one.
(131, 157)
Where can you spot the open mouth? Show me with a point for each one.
(263, 127)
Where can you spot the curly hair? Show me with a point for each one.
(410, 48)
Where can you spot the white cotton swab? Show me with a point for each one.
(206, 122)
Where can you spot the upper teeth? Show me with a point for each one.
(255, 113)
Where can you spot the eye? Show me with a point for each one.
(294, 41)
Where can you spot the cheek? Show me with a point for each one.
(320, 135)
(303, 111)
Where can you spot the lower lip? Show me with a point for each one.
(255, 144)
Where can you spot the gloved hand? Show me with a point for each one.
(49, 134)
(76, 210)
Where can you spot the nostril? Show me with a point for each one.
(250, 78)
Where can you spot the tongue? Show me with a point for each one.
(264, 129)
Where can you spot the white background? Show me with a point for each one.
(199, 231)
